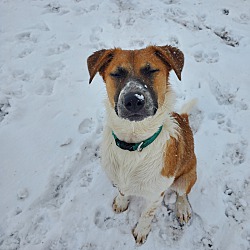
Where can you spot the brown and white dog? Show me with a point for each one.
(146, 148)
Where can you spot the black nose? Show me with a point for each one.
(134, 102)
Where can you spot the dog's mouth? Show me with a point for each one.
(136, 117)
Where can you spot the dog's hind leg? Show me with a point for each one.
(120, 203)
(182, 186)
(183, 209)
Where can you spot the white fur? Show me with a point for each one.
(138, 173)
(143, 226)
(187, 107)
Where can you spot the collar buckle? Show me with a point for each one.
(139, 149)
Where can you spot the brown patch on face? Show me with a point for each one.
(122, 60)
(150, 65)
(180, 160)
(157, 80)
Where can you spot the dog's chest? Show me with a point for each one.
(135, 173)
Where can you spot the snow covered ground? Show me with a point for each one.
(53, 192)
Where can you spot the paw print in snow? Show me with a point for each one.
(86, 126)
(236, 203)
(224, 123)
(86, 178)
(207, 243)
(11, 242)
(95, 36)
(55, 8)
(39, 226)
(25, 52)
(244, 18)
(137, 43)
(211, 57)
(222, 95)
(235, 153)
(130, 21)
(175, 13)
(58, 49)
(102, 221)
(4, 109)
(26, 37)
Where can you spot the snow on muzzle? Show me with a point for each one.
(136, 102)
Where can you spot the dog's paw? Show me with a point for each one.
(120, 204)
(183, 210)
(140, 233)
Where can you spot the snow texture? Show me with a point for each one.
(140, 97)
(54, 194)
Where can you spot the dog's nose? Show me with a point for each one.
(134, 102)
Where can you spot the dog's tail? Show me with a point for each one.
(187, 107)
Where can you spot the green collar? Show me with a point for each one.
(136, 146)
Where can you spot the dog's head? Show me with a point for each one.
(136, 80)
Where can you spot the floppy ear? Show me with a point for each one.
(171, 56)
(98, 61)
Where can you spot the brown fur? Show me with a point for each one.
(163, 58)
(180, 160)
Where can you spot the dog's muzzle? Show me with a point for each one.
(136, 102)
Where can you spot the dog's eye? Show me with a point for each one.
(148, 71)
(119, 73)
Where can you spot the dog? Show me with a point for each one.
(147, 148)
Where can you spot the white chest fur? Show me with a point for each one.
(136, 173)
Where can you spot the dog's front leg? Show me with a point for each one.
(143, 226)
(120, 203)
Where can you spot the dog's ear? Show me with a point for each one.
(98, 61)
(172, 57)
